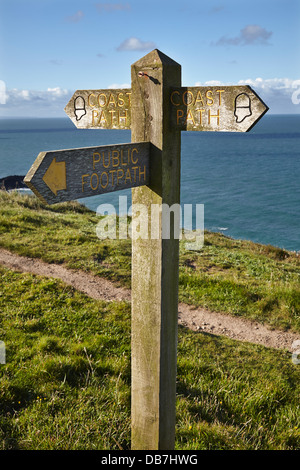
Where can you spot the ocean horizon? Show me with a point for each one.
(247, 182)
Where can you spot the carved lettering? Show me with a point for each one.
(114, 167)
(102, 109)
(197, 108)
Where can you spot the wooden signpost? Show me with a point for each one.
(156, 109)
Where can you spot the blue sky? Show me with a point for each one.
(50, 48)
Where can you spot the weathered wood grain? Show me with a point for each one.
(155, 262)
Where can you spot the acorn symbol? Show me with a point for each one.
(242, 108)
(79, 107)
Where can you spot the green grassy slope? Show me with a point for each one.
(66, 380)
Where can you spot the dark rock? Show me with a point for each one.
(12, 182)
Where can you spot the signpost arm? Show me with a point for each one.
(155, 260)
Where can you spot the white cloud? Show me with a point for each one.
(281, 95)
(16, 97)
(24, 94)
(251, 34)
(217, 9)
(50, 102)
(284, 85)
(212, 83)
(57, 92)
(280, 87)
(56, 62)
(135, 44)
(76, 17)
(112, 7)
(115, 86)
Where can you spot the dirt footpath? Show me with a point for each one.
(197, 319)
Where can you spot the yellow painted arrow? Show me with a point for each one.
(55, 176)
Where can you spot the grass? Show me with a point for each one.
(49, 233)
(237, 277)
(66, 381)
(67, 372)
(243, 279)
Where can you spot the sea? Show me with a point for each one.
(248, 183)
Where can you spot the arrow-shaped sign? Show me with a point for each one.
(216, 108)
(65, 175)
(100, 109)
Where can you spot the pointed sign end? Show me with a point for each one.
(27, 181)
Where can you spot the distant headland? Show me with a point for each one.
(12, 182)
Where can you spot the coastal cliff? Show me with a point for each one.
(12, 182)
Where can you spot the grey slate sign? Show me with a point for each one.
(65, 175)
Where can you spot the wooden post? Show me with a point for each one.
(155, 262)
